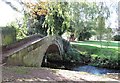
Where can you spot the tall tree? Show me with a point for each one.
(103, 14)
(57, 18)
(101, 28)
(83, 18)
(108, 35)
(37, 12)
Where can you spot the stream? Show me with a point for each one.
(82, 68)
(94, 70)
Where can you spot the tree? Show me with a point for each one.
(108, 35)
(34, 15)
(101, 28)
(103, 14)
(57, 18)
(83, 19)
(37, 12)
(21, 27)
(48, 18)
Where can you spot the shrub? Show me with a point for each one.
(117, 38)
(66, 45)
(8, 35)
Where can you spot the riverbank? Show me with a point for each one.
(32, 74)
(106, 56)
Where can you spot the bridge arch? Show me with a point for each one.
(53, 48)
(52, 54)
(32, 54)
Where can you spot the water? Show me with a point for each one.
(95, 70)
(85, 68)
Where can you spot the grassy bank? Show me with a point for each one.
(107, 56)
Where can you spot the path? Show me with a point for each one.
(18, 74)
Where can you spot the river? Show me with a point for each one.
(83, 68)
(94, 70)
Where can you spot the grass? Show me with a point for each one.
(101, 55)
(110, 53)
(111, 44)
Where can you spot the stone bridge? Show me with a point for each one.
(30, 51)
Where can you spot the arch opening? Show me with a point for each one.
(52, 49)
(52, 55)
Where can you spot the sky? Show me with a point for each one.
(8, 15)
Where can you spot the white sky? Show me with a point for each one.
(7, 14)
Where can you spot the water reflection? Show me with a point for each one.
(95, 70)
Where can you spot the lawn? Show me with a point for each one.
(105, 56)
(111, 44)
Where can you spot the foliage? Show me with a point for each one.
(108, 35)
(53, 57)
(37, 13)
(101, 28)
(21, 29)
(108, 32)
(86, 18)
(84, 35)
(103, 14)
(57, 18)
(73, 55)
(48, 18)
(66, 45)
(8, 35)
(117, 37)
(37, 9)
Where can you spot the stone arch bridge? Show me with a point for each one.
(30, 51)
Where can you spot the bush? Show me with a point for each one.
(117, 38)
(84, 36)
(73, 55)
(66, 45)
(8, 35)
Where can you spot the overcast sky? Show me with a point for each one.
(7, 14)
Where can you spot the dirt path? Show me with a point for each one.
(21, 74)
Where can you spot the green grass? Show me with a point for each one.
(110, 53)
(100, 55)
(97, 43)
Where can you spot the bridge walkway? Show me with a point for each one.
(13, 48)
